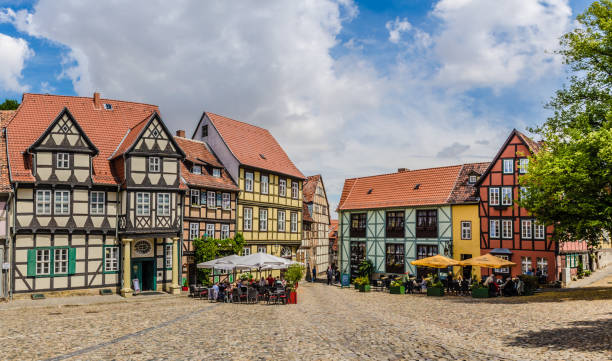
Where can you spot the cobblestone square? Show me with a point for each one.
(329, 323)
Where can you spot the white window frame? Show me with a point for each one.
(542, 265)
(506, 196)
(506, 229)
(503, 269)
(225, 231)
(526, 228)
(248, 181)
(61, 202)
(226, 202)
(466, 230)
(196, 169)
(246, 250)
(163, 204)
(97, 206)
(154, 164)
(493, 196)
(211, 199)
(216, 172)
(295, 190)
(262, 249)
(264, 183)
(539, 231)
(494, 228)
(194, 230)
(472, 179)
(194, 194)
(210, 230)
(143, 204)
(111, 259)
(263, 219)
(282, 219)
(43, 201)
(294, 227)
(43, 262)
(60, 261)
(247, 218)
(62, 160)
(523, 164)
(282, 187)
(526, 265)
(508, 166)
(168, 260)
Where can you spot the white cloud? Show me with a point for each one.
(13, 54)
(396, 28)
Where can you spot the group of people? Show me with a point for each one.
(222, 291)
(332, 274)
(510, 287)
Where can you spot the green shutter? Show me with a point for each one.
(31, 263)
(71, 260)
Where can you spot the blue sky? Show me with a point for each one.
(348, 88)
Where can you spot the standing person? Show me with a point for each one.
(314, 273)
(329, 275)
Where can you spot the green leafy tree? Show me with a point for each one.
(9, 104)
(208, 249)
(569, 180)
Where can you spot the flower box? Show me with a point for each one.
(480, 293)
(364, 288)
(397, 290)
(435, 291)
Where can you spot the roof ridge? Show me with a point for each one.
(84, 97)
(408, 171)
(238, 121)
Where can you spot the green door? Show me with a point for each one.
(137, 273)
(145, 271)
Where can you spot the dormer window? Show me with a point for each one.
(196, 169)
(472, 179)
(108, 106)
(154, 164)
(216, 172)
(63, 161)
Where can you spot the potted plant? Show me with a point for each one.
(435, 286)
(479, 291)
(363, 284)
(185, 285)
(397, 288)
(294, 273)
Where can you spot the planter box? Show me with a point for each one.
(185, 288)
(364, 288)
(435, 291)
(480, 293)
(292, 300)
(399, 290)
(356, 286)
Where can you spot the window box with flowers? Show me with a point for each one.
(397, 288)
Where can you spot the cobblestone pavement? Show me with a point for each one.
(328, 324)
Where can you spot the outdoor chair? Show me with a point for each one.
(242, 294)
(252, 295)
(194, 292)
(273, 297)
(465, 288)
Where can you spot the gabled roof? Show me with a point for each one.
(310, 187)
(422, 187)
(5, 184)
(333, 227)
(464, 192)
(253, 146)
(105, 129)
(199, 150)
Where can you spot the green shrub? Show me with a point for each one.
(366, 268)
(294, 274)
(531, 283)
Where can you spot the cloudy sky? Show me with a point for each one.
(349, 88)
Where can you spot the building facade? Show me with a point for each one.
(314, 250)
(270, 198)
(210, 201)
(6, 195)
(333, 243)
(97, 196)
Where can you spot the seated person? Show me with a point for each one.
(270, 280)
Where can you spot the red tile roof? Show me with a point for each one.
(130, 137)
(199, 151)
(105, 128)
(464, 191)
(420, 187)
(254, 146)
(310, 186)
(5, 184)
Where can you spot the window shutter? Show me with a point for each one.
(71, 260)
(31, 263)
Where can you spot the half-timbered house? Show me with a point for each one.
(210, 202)
(5, 197)
(314, 250)
(97, 195)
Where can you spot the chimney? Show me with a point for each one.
(96, 100)
(180, 133)
(402, 170)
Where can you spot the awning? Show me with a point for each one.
(501, 251)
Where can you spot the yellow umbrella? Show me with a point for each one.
(487, 260)
(437, 261)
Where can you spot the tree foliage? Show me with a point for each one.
(569, 180)
(208, 249)
(9, 104)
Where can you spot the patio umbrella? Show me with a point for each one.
(223, 263)
(437, 261)
(260, 260)
(488, 261)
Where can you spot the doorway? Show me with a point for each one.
(145, 271)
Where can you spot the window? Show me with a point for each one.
(263, 219)
(205, 130)
(248, 219)
(168, 256)
(43, 261)
(494, 228)
(294, 225)
(196, 169)
(62, 202)
(108, 106)
(358, 225)
(154, 164)
(526, 228)
(96, 203)
(63, 160)
(227, 201)
(282, 188)
(264, 184)
(523, 165)
(571, 260)
(427, 223)
(163, 204)
(472, 179)
(143, 204)
(466, 230)
(248, 182)
(294, 190)
(43, 202)
(394, 261)
(542, 266)
(219, 200)
(539, 231)
(195, 197)
(210, 230)
(111, 259)
(281, 221)
(506, 196)
(494, 196)
(194, 230)
(261, 249)
(506, 225)
(211, 199)
(503, 269)
(424, 251)
(246, 251)
(216, 172)
(358, 254)
(225, 231)
(395, 225)
(508, 165)
(525, 264)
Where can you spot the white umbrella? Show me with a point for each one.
(261, 260)
(223, 263)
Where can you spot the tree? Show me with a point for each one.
(569, 180)
(208, 248)
(9, 104)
